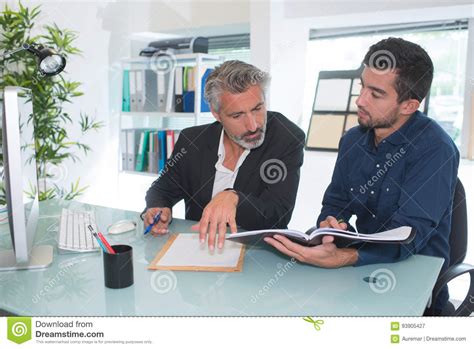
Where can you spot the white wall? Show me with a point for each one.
(320, 8)
(279, 34)
(105, 30)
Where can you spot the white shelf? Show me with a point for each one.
(138, 173)
(180, 58)
(131, 120)
(163, 120)
(139, 114)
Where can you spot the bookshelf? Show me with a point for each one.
(149, 99)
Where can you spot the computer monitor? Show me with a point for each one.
(20, 183)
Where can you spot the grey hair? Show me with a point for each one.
(234, 77)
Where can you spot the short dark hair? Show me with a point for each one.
(410, 61)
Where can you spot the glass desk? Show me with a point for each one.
(269, 285)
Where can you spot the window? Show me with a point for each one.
(231, 47)
(446, 44)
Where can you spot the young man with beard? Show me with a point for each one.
(242, 170)
(397, 168)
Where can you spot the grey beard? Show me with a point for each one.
(248, 145)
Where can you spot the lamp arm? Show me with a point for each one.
(23, 47)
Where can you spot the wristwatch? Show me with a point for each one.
(232, 190)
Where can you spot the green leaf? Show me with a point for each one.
(50, 94)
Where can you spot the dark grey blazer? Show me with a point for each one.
(266, 183)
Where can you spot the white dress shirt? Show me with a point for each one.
(225, 178)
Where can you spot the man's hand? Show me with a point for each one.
(219, 212)
(161, 227)
(326, 255)
(331, 222)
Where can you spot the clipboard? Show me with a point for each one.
(229, 260)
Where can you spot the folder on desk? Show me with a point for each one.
(185, 252)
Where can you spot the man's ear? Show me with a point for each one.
(215, 114)
(409, 106)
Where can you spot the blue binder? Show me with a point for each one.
(161, 150)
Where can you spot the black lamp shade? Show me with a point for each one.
(49, 61)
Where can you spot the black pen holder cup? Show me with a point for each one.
(118, 267)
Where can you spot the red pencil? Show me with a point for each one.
(106, 244)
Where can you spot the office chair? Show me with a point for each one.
(458, 249)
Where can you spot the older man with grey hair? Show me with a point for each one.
(242, 170)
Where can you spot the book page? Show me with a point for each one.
(185, 252)
(397, 234)
(400, 233)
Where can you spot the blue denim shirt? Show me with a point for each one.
(408, 179)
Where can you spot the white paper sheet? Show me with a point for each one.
(186, 250)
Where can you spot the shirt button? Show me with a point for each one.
(352, 189)
(373, 216)
(388, 189)
(372, 192)
(377, 165)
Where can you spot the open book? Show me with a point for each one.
(314, 236)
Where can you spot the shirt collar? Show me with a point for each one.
(221, 155)
(221, 149)
(401, 136)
